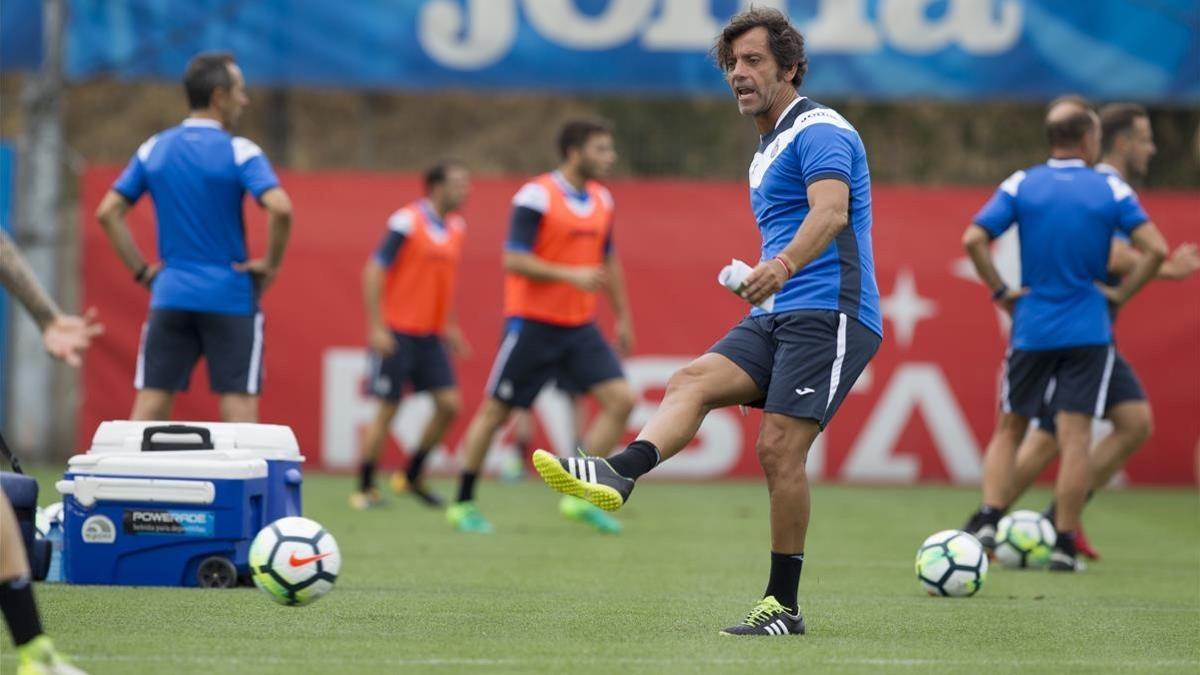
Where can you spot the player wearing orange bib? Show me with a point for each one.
(558, 256)
(408, 290)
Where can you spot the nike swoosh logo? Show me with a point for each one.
(805, 391)
(300, 562)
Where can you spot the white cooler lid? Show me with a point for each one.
(267, 441)
(199, 464)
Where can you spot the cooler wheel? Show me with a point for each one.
(217, 572)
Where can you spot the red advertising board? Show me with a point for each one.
(922, 411)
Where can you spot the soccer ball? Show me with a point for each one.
(1024, 539)
(294, 560)
(951, 563)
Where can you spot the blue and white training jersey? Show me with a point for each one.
(809, 143)
(1066, 215)
(197, 175)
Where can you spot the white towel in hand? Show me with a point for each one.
(734, 274)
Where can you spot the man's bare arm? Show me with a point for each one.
(19, 280)
(111, 215)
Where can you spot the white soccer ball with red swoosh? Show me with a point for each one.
(295, 560)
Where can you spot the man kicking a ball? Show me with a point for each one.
(810, 190)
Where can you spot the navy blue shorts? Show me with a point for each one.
(420, 361)
(805, 361)
(1123, 387)
(174, 340)
(1073, 379)
(534, 353)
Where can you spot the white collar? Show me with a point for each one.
(1065, 163)
(1105, 167)
(791, 105)
(202, 122)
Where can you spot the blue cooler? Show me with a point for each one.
(163, 518)
(271, 442)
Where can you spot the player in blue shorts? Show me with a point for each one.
(204, 292)
(810, 191)
(1061, 346)
(1128, 143)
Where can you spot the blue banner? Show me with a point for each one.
(1146, 50)
(20, 34)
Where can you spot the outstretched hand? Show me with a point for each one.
(67, 337)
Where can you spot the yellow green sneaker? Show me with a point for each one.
(38, 657)
(589, 478)
(769, 618)
(578, 510)
(465, 517)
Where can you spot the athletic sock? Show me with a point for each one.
(1065, 542)
(415, 464)
(20, 610)
(635, 460)
(990, 515)
(784, 582)
(366, 476)
(466, 486)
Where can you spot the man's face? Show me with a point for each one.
(456, 188)
(1136, 146)
(233, 102)
(597, 156)
(753, 74)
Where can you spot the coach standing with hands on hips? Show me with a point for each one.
(204, 293)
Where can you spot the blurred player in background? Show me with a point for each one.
(558, 256)
(204, 293)
(65, 338)
(810, 191)
(1128, 145)
(408, 294)
(1061, 351)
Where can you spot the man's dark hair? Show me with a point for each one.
(1118, 118)
(437, 174)
(1069, 131)
(575, 134)
(786, 43)
(206, 72)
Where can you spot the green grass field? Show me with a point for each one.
(547, 595)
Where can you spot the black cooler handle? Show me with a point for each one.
(148, 444)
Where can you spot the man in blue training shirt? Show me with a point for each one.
(1128, 145)
(204, 293)
(810, 190)
(1061, 354)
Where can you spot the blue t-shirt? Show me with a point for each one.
(810, 143)
(197, 175)
(1066, 215)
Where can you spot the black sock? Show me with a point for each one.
(990, 515)
(785, 578)
(466, 487)
(20, 611)
(1065, 542)
(366, 476)
(415, 464)
(635, 460)
(523, 451)
(1089, 496)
